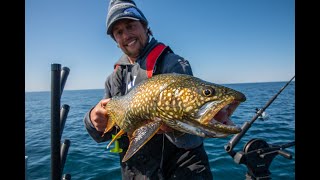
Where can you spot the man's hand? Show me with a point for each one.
(98, 115)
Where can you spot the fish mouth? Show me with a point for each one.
(215, 118)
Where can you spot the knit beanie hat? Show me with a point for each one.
(123, 9)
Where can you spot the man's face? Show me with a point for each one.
(131, 36)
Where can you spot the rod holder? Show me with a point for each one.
(64, 152)
(63, 117)
(64, 76)
(58, 118)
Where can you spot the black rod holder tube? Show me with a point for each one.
(64, 75)
(64, 152)
(236, 138)
(55, 122)
(63, 116)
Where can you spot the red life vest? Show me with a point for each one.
(152, 58)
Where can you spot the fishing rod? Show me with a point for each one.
(257, 154)
(235, 139)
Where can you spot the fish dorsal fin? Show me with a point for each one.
(115, 137)
(140, 137)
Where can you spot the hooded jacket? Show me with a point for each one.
(126, 75)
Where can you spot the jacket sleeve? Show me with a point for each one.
(96, 135)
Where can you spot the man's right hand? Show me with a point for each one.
(98, 115)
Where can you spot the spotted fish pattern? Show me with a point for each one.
(185, 103)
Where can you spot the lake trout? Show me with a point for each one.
(183, 102)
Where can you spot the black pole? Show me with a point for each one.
(55, 121)
(236, 138)
(64, 75)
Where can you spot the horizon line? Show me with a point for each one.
(28, 91)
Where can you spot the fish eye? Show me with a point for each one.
(208, 92)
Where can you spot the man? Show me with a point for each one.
(166, 155)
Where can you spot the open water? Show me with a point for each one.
(88, 160)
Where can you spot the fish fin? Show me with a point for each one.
(110, 125)
(140, 137)
(115, 137)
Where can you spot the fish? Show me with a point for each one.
(183, 102)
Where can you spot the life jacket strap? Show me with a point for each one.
(152, 58)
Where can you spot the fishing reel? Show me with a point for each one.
(257, 155)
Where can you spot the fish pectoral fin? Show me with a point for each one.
(110, 125)
(140, 137)
(115, 137)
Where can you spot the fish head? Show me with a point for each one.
(205, 107)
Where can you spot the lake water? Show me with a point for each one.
(88, 160)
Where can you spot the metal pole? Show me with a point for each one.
(55, 121)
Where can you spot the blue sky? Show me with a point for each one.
(225, 41)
